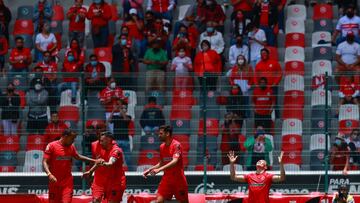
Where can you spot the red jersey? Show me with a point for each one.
(207, 62)
(338, 159)
(49, 70)
(70, 67)
(60, 158)
(54, 131)
(269, 69)
(4, 46)
(91, 74)
(259, 187)
(79, 56)
(263, 101)
(23, 54)
(167, 153)
(134, 30)
(100, 176)
(111, 95)
(77, 23)
(236, 74)
(264, 15)
(103, 18)
(116, 174)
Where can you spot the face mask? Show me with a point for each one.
(181, 54)
(241, 61)
(209, 29)
(350, 39)
(97, 1)
(70, 58)
(125, 33)
(338, 142)
(112, 85)
(38, 87)
(74, 46)
(239, 15)
(263, 87)
(239, 42)
(94, 63)
(123, 42)
(10, 90)
(20, 47)
(350, 14)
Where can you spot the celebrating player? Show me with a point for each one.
(109, 181)
(260, 181)
(174, 181)
(57, 164)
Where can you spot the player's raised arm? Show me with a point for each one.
(233, 176)
(281, 177)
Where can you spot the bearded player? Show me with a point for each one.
(57, 164)
(109, 181)
(173, 183)
(260, 181)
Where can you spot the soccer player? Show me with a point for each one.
(57, 164)
(260, 181)
(109, 181)
(174, 181)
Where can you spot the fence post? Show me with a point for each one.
(326, 181)
(204, 96)
(83, 120)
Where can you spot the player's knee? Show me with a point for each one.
(159, 199)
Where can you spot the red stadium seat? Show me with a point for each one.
(184, 140)
(294, 98)
(180, 112)
(295, 39)
(292, 157)
(9, 143)
(273, 53)
(148, 157)
(69, 113)
(346, 126)
(323, 11)
(4, 169)
(294, 112)
(23, 27)
(36, 142)
(58, 13)
(212, 127)
(201, 168)
(291, 143)
(103, 54)
(294, 67)
(183, 98)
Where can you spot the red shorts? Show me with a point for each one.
(114, 193)
(61, 193)
(97, 191)
(179, 189)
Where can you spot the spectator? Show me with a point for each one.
(348, 57)
(156, 60)
(194, 17)
(123, 67)
(239, 48)
(78, 52)
(258, 148)
(152, 117)
(182, 66)
(149, 21)
(129, 41)
(266, 15)
(349, 90)
(109, 97)
(214, 13)
(245, 6)
(136, 28)
(339, 155)
(10, 110)
(161, 8)
(214, 37)
(207, 63)
(354, 145)
(77, 16)
(20, 57)
(70, 81)
(186, 41)
(121, 121)
(343, 4)
(348, 23)
(4, 46)
(42, 14)
(92, 134)
(44, 41)
(242, 75)
(37, 100)
(236, 102)
(55, 128)
(158, 33)
(5, 18)
(239, 24)
(342, 195)
(134, 4)
(257, 41)
(264, 101)
(94, 74)
(232, 139)
(99, 14)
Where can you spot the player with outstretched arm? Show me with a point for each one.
(259, 183)
(174, 181)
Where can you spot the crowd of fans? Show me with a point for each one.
(190, 47)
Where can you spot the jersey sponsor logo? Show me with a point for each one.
(63, 158)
